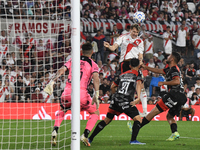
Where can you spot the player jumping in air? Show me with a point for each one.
(174, 99)
(132, 46)
(88, 69)
(122, 101)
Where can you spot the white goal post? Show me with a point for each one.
(75, 28)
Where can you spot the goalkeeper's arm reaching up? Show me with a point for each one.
(49, 88)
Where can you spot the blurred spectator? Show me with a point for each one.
(148, 47)
(154, 83)
(181, 35)
(99, 39)
(105, 71)
(160, 55)
(151, 64)
(3, 37)
(197, 84)
(195, 99)
(176, 17)
(9, 60)
(155, 59)
(91, 90)
(167, 42)
(4, 49)
(163, 64)
(111, 78)
(189, 94)
(186, 110)
(126, 30)
(196, 44)
(190, 72)
(37, 97)
(114, 34)
(4, 93)
(20, 88)
(104, 88)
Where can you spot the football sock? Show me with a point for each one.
(86, 133)
(135, 130)
(144, 101)
(59, 118)
(173, 127)
(144, 122)
(56, 128)
(91, 122)
(98, 128)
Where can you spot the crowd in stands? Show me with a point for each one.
(26, 71)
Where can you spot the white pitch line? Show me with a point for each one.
(149, 136)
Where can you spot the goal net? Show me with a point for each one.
(35, 41)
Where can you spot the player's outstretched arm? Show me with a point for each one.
(49, 87)
(155, 70)
(175, 81)
(96, 87)
(112, 48)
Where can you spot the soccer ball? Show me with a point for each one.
(139, 17)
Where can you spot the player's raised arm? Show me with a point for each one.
(155, 70)
(112, 48)
(49, 87)
(175, 81)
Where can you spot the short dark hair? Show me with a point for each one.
(176, 56)
(168, 26)
(128, 26)
(134, 62)
(87, 48)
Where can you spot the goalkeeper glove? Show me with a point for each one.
(96, 99)
(49, 87)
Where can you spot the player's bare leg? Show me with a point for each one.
(143, 98)
(175, 135)
(90, 124)
(58, 121)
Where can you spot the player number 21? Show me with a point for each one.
(124, 88)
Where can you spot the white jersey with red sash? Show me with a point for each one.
(112, 40)
(3, 50)
(130, 48)
(112, 56)
(148, 47)
(167, 44)
(3, 92)
(196, 39)
(3, 39)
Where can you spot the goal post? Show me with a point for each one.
(75, 28)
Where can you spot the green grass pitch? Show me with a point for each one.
(115, 136)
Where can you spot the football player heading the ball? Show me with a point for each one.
(131, 47)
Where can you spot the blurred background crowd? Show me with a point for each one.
(25, 71)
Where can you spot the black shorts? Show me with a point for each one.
(118, 106)
(172, 101)
(124, 66)
(187, 43)
(180, 49)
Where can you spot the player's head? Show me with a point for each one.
(134, 63)
(174, 57)
(135, 29)
(87, 49)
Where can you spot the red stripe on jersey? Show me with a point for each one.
(115, 83)
(130, 46)
(149, 47)
(111, 111)
(198, 44)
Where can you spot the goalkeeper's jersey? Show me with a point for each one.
(87, 68)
